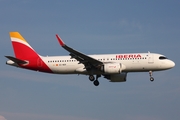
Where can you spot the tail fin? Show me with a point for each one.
(26, 56)
(22, 49)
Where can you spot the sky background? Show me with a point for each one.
(92, 27)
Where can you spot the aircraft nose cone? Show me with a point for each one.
(172, 64)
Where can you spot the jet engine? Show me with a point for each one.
(112, 68)
(117, 77)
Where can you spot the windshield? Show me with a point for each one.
(162, 57)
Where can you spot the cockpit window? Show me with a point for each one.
(162, 57)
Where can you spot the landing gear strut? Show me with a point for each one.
(151, 76)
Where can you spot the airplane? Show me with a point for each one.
(114, 67)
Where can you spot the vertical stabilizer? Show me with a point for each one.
(22, 49)
(25, 56)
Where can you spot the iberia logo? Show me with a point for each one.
(128, 56)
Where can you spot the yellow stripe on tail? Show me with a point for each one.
(17, 35)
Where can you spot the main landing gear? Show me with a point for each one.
(151, 76)
(92, 78)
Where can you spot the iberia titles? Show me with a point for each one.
(128, 56)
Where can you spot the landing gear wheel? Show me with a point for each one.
(91, 78)
(151, 76)
(151, 79)
(96, 82)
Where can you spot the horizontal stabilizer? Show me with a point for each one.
(15, 60)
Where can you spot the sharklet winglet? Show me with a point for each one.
(60, 40)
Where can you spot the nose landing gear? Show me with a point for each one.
(151, 76)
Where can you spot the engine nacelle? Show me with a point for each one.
(117, 77)
(112, 68)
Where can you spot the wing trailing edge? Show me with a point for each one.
(81, 57)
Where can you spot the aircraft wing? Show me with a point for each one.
(88, 61)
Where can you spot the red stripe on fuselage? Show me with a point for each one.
(24, 52)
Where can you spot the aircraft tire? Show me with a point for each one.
(151, 79)
(96, 82)
(91, 78)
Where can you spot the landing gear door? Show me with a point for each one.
(150, 58)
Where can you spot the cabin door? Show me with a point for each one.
(150, 58)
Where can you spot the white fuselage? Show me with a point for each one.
(132, 63)
(113, 67)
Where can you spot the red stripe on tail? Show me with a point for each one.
(24, 51)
